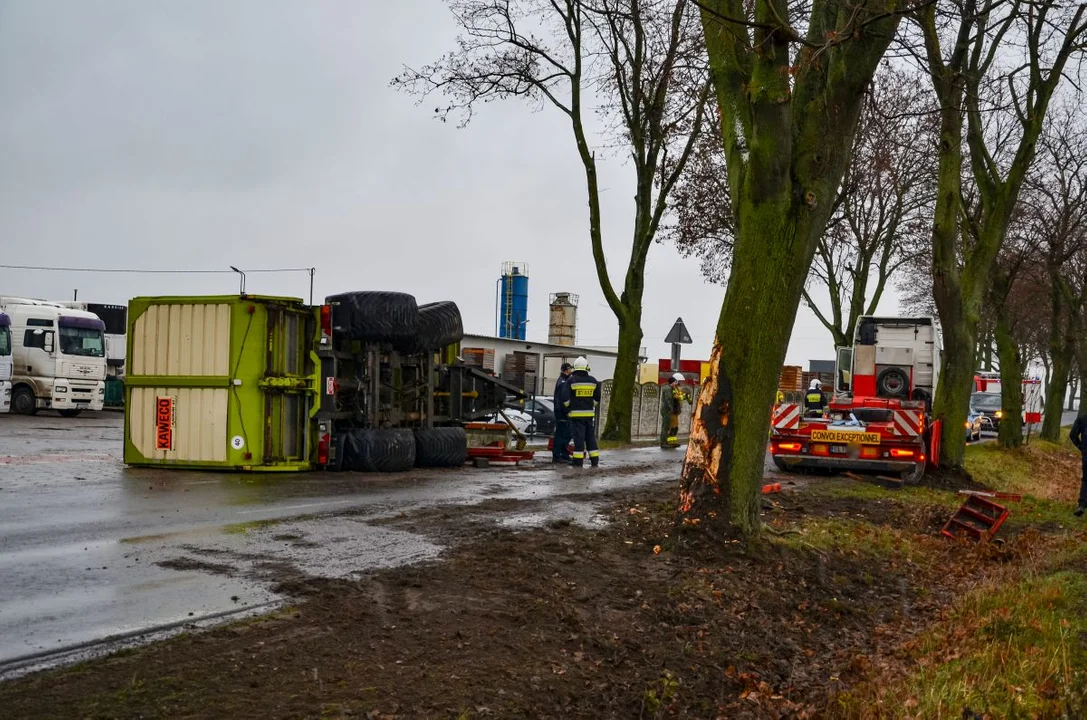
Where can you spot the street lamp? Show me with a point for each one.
(242, 290)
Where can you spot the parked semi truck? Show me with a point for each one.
(5, 363)
(59, 357)
(879, 418)
(115, 319)
(367, 381)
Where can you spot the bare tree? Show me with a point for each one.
(789, 102)
(643, 64)
(880, 220)
(970, 47)
(1058, 219)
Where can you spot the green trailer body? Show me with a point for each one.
(260, 383)
(221, 382)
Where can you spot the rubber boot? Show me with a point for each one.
(595, 462)
(577, 462)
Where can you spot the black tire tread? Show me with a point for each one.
(375, 316)
(440, 325)
(23, 390)
(381, 450)
(441, 447)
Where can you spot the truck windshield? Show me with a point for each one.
(5, 341)
(82, 341)
(986, 401)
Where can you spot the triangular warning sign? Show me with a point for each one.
(678, 335)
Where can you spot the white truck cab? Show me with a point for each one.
(5, 363)
(59, 357)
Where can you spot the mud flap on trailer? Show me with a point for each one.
(934, 443)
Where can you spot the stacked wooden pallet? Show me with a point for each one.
(791, 378)
(482, 358)
(520, 370)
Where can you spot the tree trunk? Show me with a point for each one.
(726, 454)
(952, 401)
(1011, 383)
(1058, 386)
(617, 425)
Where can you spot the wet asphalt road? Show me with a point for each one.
(90, 549)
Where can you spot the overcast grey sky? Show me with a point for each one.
(262, 133)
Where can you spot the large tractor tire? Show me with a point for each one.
(23, 401)
(379, 450)
(440, 325)
(441, 447)
(372, 316)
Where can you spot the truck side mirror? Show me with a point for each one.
(48, 341)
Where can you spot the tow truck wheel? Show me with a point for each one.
(913, 477)
(782, 466)
(23, 402)
(71, 412)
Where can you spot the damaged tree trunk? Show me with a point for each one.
(726, 454)
(787, 130)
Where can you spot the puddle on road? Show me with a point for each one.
(562, 513)
(319, 547)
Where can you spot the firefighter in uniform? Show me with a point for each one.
(672, 400)
(560, 452)
(814, 400)
(580, 396)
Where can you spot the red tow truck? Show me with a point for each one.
(879, 416)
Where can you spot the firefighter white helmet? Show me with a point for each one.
(816, 384)
(581, 364)
(678, 377)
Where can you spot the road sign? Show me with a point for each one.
(678, 335)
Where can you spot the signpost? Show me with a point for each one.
(677, 336)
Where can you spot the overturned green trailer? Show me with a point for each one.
(367, 381)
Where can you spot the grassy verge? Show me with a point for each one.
(1015, 643)
(1017, 651)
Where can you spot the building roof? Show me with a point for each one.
(821, 366)
(539, 347)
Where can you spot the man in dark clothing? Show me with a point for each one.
(1078, 436)
(814, 402)
(580, 396)
(672, 399)
(560, 447)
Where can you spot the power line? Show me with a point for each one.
(146, 272)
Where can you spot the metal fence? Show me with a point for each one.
(645, 417)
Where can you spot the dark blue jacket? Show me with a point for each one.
(1079, 429)
(560, 411)
(580, 396)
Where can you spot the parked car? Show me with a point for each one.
(973, 425)
(988, 405)
(517, 417)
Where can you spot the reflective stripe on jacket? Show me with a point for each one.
(580, 395)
